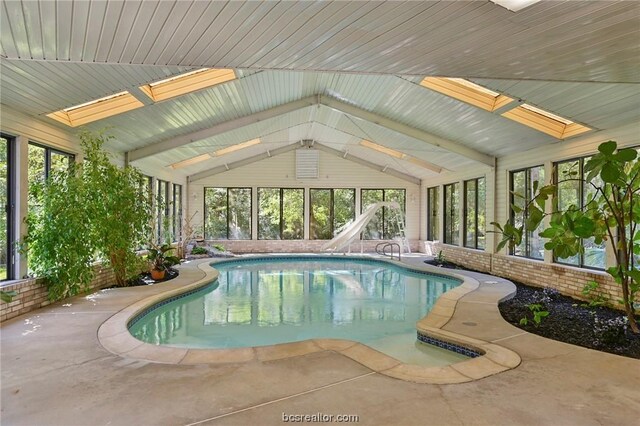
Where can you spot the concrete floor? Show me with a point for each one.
(55, 372)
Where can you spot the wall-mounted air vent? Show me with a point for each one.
(307, 163)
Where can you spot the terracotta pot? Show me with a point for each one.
(157, 274)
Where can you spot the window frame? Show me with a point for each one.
(165, 211)
(525, 212)
(454, 211)
(466, 211)
(227, 189)
(177, 214)
(430, 229)
(281, 224)
(581, 192)
(47, 156)
(331, 208)
(10, 207)
(384, 219)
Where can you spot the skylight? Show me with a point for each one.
(401, 155)
(467, 91)
(187, 83)
(515, 5)
(544, 121)
(218, 153)
(97, 109)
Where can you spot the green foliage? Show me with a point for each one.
(90, 211)
(440, 258)
(539, 313)
(611, 213)
(591, 291)
(219, 247)
(199, 250)
(159, 259)
(7, 296)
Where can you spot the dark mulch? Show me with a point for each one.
(145, 278)
(571, 322)
(443, 264)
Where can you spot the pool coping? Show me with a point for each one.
(114, 336)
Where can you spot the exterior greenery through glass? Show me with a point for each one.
(433, 223)
(227, 213)
(280, 213)
(451, 214)
(177, 211)
(521, 183)
(474, 213)
(572, 190)
(163, 224)
(330, 210)
(384, 226)
(7, 209)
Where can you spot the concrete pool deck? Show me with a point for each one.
(55, 371)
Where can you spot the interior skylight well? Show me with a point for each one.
(218, 153)
(187, 83)
(97, 109)
(401, 155)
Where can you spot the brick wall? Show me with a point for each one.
(293, 246)
(32, 293)
(566, 279)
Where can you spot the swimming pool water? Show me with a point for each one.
(258, 302)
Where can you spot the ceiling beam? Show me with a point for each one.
(244, 162)
(369, 164)
(167, 144)
(422, 135)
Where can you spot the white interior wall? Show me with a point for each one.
(334, 172)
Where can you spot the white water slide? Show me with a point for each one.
(352, 231)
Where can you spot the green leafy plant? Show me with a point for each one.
(199, 250)
(7, 296)
(591, 291)
(539, 313)
(611, 214)
(219, 247)
(440, 258)
(158, 258)
(94, 210)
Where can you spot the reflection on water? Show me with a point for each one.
(260, 303)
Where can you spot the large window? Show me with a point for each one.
(163, 221)
(385, 224)
(177, 211)
(474, 213)
(280, 214)
(433, 225)
(451, 214)
(330, 210)
(7, 207)
(227, 213)
(521, 183)
(573, 191)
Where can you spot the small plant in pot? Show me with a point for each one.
(160, 261)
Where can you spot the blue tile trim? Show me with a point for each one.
(448, 345)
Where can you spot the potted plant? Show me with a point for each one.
(160, 261)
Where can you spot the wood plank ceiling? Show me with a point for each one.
(577, 59)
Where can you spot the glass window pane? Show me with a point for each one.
(292, 214)
(518, 186)
(470, 213)
(4, 200)
(268, 213)
(451, 216)
(239, 213)
(215, 213)
(482, 213)
(320, 214)
(344, 208)
(392, 216)
(373, 231)
(59, 162)
(432, 206)
(569, 194)
(535, 242)
(177, 211)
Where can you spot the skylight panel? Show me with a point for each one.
(401, 156)
(515, 5)
(97, 109)
(187, 83)
(544, 121)
(467, 91)
(218, 153)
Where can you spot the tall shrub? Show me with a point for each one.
(94, 211)
(611, 214)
